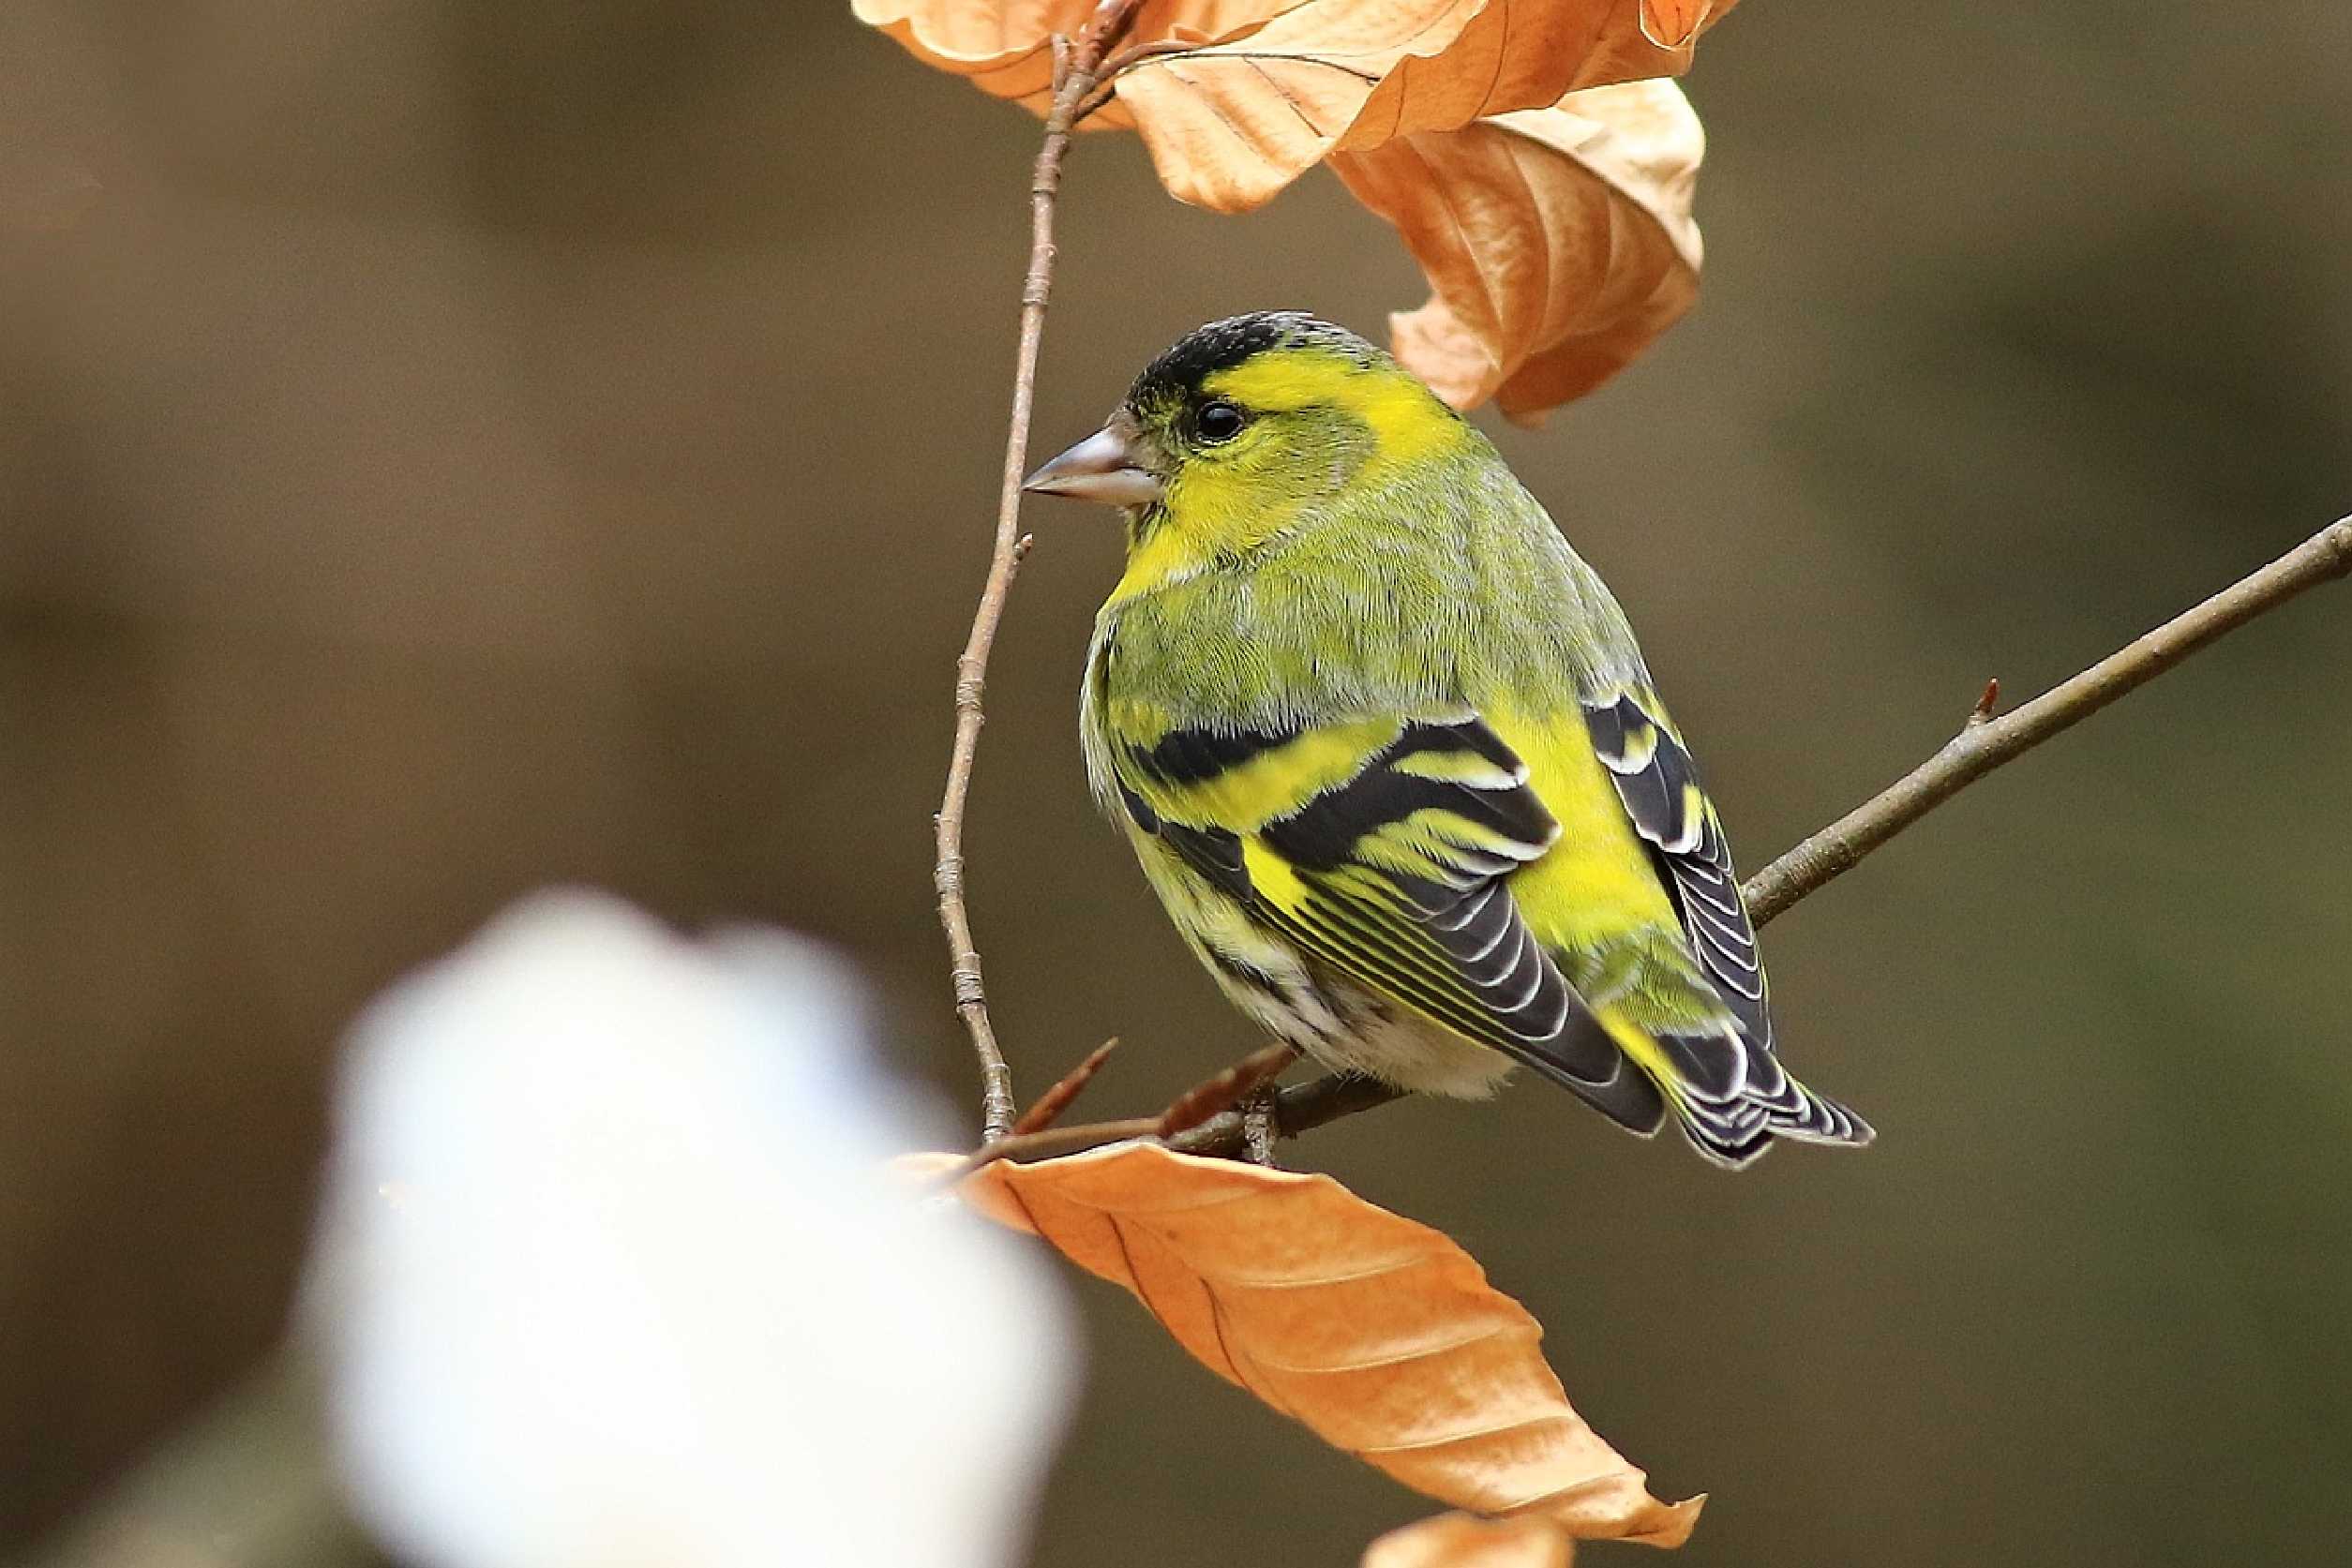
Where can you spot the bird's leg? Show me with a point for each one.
(1260, 1128)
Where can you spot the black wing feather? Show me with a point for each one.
(1447, 939)
(1659, 785)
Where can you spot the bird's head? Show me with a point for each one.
(1246, 426)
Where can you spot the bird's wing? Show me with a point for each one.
(1381, 848)
(1660, 786)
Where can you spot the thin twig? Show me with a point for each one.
(1984, 743)
(1980, 747)
(1201, 1103)
(1106, 78)
(1296, 1109)
(1019, 1146)
(1227, 1089)
(1076, 69)
(1261, 1125)
(1054, 1101)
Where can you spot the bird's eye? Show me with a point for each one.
(1218, 421)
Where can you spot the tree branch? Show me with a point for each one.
(1984, 743)
(1075, 69)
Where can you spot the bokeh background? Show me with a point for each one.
(447, 447)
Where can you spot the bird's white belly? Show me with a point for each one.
(1387, 1042)
(1336, 1021)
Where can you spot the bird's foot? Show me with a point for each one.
(1260, 1128)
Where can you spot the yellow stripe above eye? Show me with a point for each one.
(1406, 419)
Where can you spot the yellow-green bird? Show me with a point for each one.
(1391, 759)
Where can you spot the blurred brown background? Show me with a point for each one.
(450, 446)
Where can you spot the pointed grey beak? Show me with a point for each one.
(1102, 468)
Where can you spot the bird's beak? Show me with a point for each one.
(1105, 467)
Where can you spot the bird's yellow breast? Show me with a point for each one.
(1322, 424)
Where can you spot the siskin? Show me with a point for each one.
(1390, 758)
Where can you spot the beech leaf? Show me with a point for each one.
(1558, 242)
(1529, 151)
(1230, 124)
(1004, 46)
(1466, 1541)
(1381, 1334)
(1671, 23)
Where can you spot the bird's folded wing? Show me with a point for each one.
(1660, 786)
(1381, 848)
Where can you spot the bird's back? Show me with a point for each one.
(1439, 584)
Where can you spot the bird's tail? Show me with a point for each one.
(1730, 1096)
(1724, 1085)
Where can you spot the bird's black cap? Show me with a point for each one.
(1222, 345)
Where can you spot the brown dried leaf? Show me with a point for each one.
(1466, 1541)
(1674, 23)
(1000, 44)
(1003, 45)
(1229, 125)
(1558, 242)
(1379, 1333)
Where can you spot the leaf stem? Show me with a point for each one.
(1075, 77)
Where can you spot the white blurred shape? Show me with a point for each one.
(611, 1273)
